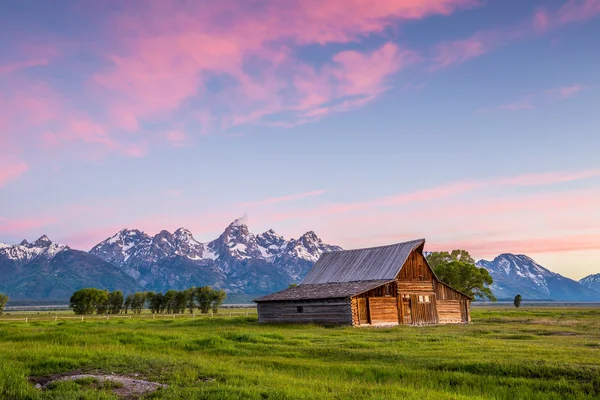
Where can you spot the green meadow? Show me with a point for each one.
(544, 353)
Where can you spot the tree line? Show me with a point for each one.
(3, 301)
(90, 301)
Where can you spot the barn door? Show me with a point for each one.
(423, 309)
(464, 313)
(406, 310)
(363, 311)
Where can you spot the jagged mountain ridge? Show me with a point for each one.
(591, 281)
(238, 260)
(47, 270)
(519, 274)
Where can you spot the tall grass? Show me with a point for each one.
(525, 354)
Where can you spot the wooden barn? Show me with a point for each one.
(385, 285)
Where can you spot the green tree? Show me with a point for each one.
(190, 298)
(86, 301)
(127, 302)
(517, 300)
(115, 302)
(168, 302)
(218, 296)
(137, 302)
(438, 258)
(204, 298)
(179, 302)
(102, 302)
(467, 278)
(3, 301)
(154, 302)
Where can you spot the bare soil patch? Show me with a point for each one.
(120, 385)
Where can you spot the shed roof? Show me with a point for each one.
(323, 291)
(370, 264)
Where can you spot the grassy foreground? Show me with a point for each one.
(518, 354)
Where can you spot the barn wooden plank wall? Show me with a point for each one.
(449, 311)
(336, 311)
(415, 268)
(383, 310)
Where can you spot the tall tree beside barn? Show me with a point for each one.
(458, 269)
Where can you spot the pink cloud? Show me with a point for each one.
(456, 52)
(565, 92)
(577, 10)
(566, 243)
(275, 200)
(7, 69)
(23, 225)
(11, 170)
(165, 56)
(547, 178)
(178, 138)
(441, 192)
(531, 100)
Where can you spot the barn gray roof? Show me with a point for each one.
(375, 263)
(323, 291)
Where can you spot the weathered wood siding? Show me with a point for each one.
(383, 310)
(335, 311)
(450, 311)
(445, 292)
(423, 313)
(415, 287)
(456, 306)
(415, 269)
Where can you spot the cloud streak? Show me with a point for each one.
(531, 101)
(11, 170)
(283, 199)
(456, 52)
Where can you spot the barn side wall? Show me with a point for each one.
(453, 306)
(322, 311)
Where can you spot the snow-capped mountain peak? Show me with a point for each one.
(519, 274)
(25, 251)
(43, 241)
(591, 281)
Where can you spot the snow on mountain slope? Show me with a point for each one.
(520, 274)
(43, 269)
(237, 260)
(591, 281)
(26, 252)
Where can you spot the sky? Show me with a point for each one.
(471, 123)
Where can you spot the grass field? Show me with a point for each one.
(550, 353)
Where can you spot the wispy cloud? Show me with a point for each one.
(11, 226)
(530, 101)
(441, 192)
(282, 199)
(11, 170)
(456, 52)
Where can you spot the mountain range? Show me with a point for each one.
(238, 261)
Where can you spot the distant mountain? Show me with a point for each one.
(46, 270)
(237, 261)
(591, 281)
(519, 274)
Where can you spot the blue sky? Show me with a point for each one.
(471, 123)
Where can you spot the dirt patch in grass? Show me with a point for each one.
(120, 385)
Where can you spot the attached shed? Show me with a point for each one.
(385, 285)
